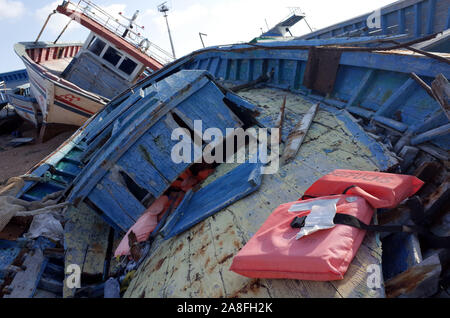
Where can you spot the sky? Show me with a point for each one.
(224, 21)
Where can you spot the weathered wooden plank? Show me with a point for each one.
(214, 197)
(441, 90)
(114, 185)
(421, 280)
(86, 242)
(431, 134)
(297, 135)
(234, 226)
(25, 282)
(400, 252)
(104, 202)
(137, 163)
(207, 105)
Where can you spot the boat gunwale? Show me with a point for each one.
(20, 50)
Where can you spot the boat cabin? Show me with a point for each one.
(101, 68)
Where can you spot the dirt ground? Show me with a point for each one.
(18, 161)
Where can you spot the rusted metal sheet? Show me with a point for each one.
(321, 69)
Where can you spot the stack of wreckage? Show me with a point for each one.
(112, 205)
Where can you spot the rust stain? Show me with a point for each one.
(159, 264)
(253, 285)
(96, 247)
(225, 258)
(179, 248)
(203, 250)
(237, 244)
(407, 281)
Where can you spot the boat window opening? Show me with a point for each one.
(112, 56)
(128, 66)
(246, 116)
(180, 122)
(97, 46)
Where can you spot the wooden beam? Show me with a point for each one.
(441, 91)
(431, 134)
(297, 135)
(25, 282)
(421, 280)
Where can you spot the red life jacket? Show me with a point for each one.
(274, 251)
(381, 190)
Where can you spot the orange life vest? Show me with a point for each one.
(274, 251)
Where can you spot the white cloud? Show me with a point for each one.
(11, 9)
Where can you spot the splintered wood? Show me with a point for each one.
(297, 135)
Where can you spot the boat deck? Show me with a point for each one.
(196, 263)
(58, 66)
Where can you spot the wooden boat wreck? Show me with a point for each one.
(72, 81)
(379, 109)
(16, 99)
(25, 105)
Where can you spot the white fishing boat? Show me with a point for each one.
(72, 81)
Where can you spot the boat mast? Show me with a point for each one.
(164, 9)
(201, 38)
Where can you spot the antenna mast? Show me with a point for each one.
(164, 9)
(201, 38)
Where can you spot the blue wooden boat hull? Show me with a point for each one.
(413, 18)
(375, 86)
(372, 85)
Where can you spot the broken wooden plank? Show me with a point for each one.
(262, 79)
(431, 134)
(280, 120)
(25, 282)
(408, 154)
(86, 238)
(441, 90)
(214, 197)
(423, 84)
(421, 280)
(435, 152)
(401, 251)
(297, 135)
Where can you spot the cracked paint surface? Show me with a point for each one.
(196, 263)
